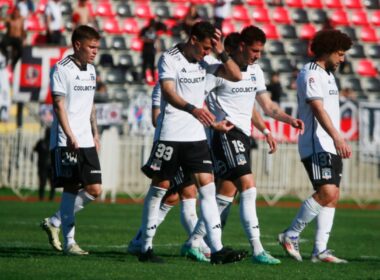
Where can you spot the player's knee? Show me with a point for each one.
(94, 190)
(172, 199)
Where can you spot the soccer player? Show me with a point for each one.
(182, 140)
(182, 188)
(321, 147)
(234, 102)
(74, 141)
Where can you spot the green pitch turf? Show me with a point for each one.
(105, 229)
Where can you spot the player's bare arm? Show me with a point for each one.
(258, 122)
(229, 70)
(273, 110)
(342, 148)
(59, 109)
(170, 94)
(155, 113)
(94, 127)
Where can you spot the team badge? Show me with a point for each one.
(253, 77)
(240, 159)
(156, 165)
(311, 80)
(220, 167)
(326, 173)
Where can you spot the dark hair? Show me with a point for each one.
(202, 30)
(232, 41)
(84, 32)
(330, 41)
(251, 34)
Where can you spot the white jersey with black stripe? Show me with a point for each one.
(77, 85)
(190, 80)
(314, 82)
(234, 101)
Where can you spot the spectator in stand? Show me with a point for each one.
(149, 36)
(14, 36)
(275, 88)
(44, 166)
(190, 19)
(81, 15)
(222, 10)
(25, 7)
(53, 17)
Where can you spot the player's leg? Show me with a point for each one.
(250, 221)
(323, 178)
(170, 199)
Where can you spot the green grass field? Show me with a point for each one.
(105, 229)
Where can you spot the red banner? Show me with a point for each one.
(31, 81)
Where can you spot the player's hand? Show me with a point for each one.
(297, 123)
(342, 148)
(217, 42)
(97, 143)
(204, 116)
(72, 143)
(223, 126)
(272, 143)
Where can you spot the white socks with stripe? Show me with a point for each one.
(70, 204)
(309, 210)
(324, 224)
(224, 206)
(81, 200)
(189, 216)
(210, 214)
(152, 204)
(249, 219)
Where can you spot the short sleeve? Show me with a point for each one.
(58, 81)
(313, 86)
(211, 64)
(260, 81)
(212, 82)
(156, 96)
(166, 68)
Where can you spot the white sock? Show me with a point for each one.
(308, 211)
(210, 214)
(199, 233)
(150, 214)
(162, 212)
(249, 219)
(324, 224)
(224, 206)
(81, 200)
(68, 218)
(189, 216)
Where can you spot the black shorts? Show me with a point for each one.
(231, 154)
(167, 157)
(75, 169)
(324, 168)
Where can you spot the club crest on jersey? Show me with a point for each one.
(240, 159)
(156, 165)
(92, 76)
(311, 80)
(253, 77)
(326, 173)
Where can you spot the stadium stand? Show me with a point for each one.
(288, 24)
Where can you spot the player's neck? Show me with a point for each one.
(78, 61)
(321, 63)
(187, 53)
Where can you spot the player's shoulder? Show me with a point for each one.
(173, 53)
(312, 68)
(65, 64)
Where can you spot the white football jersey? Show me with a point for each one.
(78, 87)
(314, 82)
(234, 101)
(190, 80)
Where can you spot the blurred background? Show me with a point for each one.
(34, 35)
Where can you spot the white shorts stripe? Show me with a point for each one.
(227, 150)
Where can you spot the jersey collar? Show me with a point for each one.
(80, 66)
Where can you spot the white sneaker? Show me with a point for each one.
(134, 247)
(326, 256)
(290, 245)
(53, 234)
(74, 250)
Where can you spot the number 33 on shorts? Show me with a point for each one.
(163, 151)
